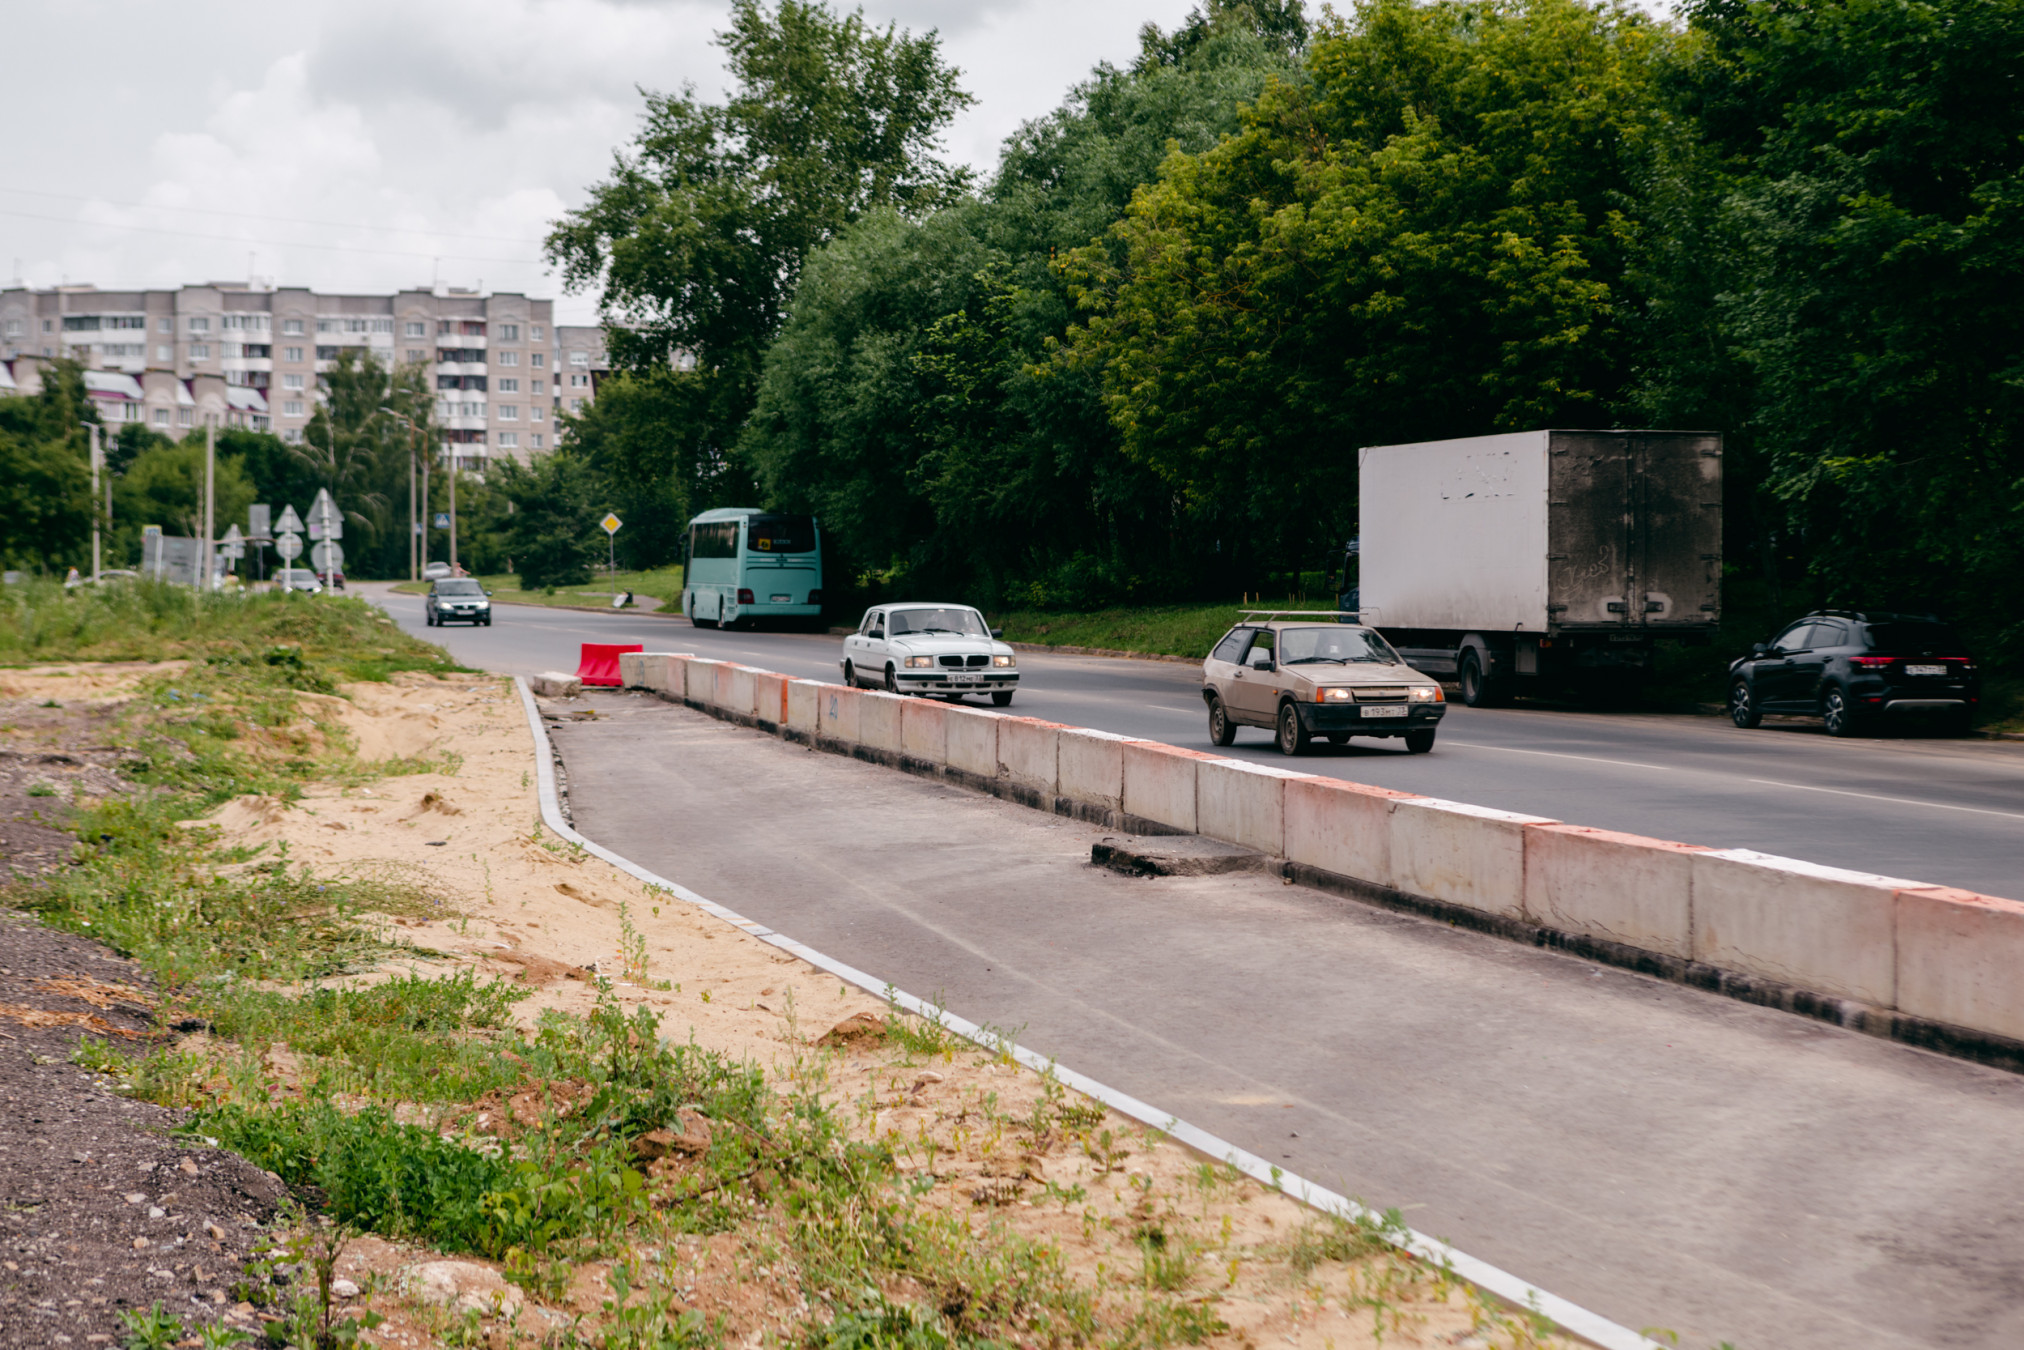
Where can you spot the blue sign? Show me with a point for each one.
(442, 520)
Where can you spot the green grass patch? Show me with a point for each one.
(663, 583)
(1157, 630)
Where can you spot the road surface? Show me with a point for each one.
(1933, 810)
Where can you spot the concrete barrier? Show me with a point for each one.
(1090, 768)
(1341, 827)
(632, 670)
(837, 713)
(1821, 928)
(1960, 959)
(924, 730)
(1244, 803)
(1029, 754)
(556, 684)
(699, 681)
(1463, 854)
(878, 720)
(1619, 887)
(970, 740)
(1159, 783)
(734, 689)
(803, 705)
(769, 697)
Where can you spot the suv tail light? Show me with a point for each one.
(745, 596)
(1872, 662)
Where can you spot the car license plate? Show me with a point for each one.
(1925, 670)
(967, 679)
(783, 599)
(1385, 710)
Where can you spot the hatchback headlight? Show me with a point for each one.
(1004, 660)
(1427, 693)
(1334, 695)
(917, 662)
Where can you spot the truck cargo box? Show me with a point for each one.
(1540, 532)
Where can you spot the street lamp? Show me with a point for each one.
(415, 509)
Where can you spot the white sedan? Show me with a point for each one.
(930, 649)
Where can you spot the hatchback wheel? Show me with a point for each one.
(1419, 742)
(1222, 731)
(1293, 737)
(1840, 715)
(1743, 708)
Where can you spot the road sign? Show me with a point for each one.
(259, 522)
(610, 523)
(325, 521)
(233, 545)
(442, 520)
(290, 523)
(327, 555)
(289, 546)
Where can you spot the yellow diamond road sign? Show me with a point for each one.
(610, 523)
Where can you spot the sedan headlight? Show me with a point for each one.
(1004, 660)
(1334, 695)
(1427, 693)
(917, 662)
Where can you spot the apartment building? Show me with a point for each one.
(253, 356)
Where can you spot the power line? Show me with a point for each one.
(270, 243)
(278, 220)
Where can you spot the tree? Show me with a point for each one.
(45, 474)
(551, 531)
(697, 238)
(361, 454)
(164, 486)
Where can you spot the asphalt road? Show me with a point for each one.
(1933, 810)
(1666, 1157)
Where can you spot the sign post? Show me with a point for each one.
(288, 542)
(611, 522)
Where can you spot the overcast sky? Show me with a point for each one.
(374, 144)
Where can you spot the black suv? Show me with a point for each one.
(1852, 669)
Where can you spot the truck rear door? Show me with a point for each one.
(1634, 529)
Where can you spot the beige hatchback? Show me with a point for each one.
(1304, 678)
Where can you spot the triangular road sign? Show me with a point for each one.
(290, 523)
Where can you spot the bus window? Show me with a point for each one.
(718, 539)
(780, 534)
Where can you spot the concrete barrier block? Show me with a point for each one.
(1463, 854)
(1159, 783)
(924, 730)
(699, 681)
(632, 670)
(1243, 803)
(672, 676)
(555, 684)
(804, 701)
(837, 713)
(734, 689)
(769, 697)
(1090, 767)
(1029, 753)
(878, 719)
(1621, 887)
(1341, 827)
(1960, 959)
(1824, 929)
(971, 740)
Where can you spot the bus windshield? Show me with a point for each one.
(780, 534)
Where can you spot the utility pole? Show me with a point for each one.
(414, 511)
(453, 511)
(205, 561)
(97, 461)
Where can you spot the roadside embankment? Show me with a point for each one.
(1922, 964)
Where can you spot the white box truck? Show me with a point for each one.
(1539, 559)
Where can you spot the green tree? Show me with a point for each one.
(551, 532)
(361, 453)
(698, 236)
(622, 437)
(45, 473)
(164, 486)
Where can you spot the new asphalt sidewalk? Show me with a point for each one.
(1668, 1158)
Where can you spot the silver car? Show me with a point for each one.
(1303, 679)
(930, 649)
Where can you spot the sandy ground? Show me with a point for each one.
(520, 904)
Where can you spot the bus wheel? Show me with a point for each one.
(703, 623)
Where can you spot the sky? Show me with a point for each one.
(371, 145)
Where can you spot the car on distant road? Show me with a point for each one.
(299, 579)
(436, 571)
(1308, 675)
(1857, 669)
(930, 649)
(457, 600)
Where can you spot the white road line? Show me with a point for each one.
(1898, 801)
(1550, 754)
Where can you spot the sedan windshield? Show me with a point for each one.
(459, 588)
(963, 622)
(1340, 643)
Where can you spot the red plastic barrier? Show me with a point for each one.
(600, 662)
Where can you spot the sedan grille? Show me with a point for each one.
(980, 660)
(1386, 693)
(954, 661)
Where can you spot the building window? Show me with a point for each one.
(576, 405)
(165, 353)
(535, 334)
(536, 359)
(535, 387)
(509, 412)
(185, 417)
(579, 381)
(509, 440)
(509, 386)
(416, 355)
(126, 321)
(509, 332)
(200, 325)
(292, 408)
(326, 325)
(161, 417)
(291, 382)
(293, 435)
(200, 351)
(47, 327)
(509, 358)
(291, 353)
(579, 358)
(534, 441)
(534, 412)
(473, 328)
(80, 323)
(14, 328)
(327, 353)
(165, 325)
(291, 327)
(415, 328)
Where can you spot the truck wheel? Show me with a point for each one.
(1293, 735)
(1743, 710)
(1222, 731)
(1419, 742)
(1478, 690)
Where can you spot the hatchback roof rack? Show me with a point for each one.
(1336, 614)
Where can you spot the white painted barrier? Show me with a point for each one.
(1466, 855)
(1620, 887)
(1029, 753)
(1821, 928)
(1090, 767)
(878, 719)
(700, 681)
(924, 730)
(1243, 803)
(971, 741)
(1159, 783)
(838, 713)
(1341, 827)
(769, 697)
(1960, 959)
(632, 672)
(734, 689)
(803, 705)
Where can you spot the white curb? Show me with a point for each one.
(1568, 1316)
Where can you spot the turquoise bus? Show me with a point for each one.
(745, 565)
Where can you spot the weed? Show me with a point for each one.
(1168, 1258)
(41, 790)
(1332, 1237)
(153, 1329)
(633, 944)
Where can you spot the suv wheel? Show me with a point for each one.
(1839, 714)
(1293, 736)
(1743, 708)
(1222, 731)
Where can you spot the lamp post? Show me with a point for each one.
(415, 507)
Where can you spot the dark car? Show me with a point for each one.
(1856, 671)
(457, 600)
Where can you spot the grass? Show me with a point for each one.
(1162, 630)
(663, 583)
